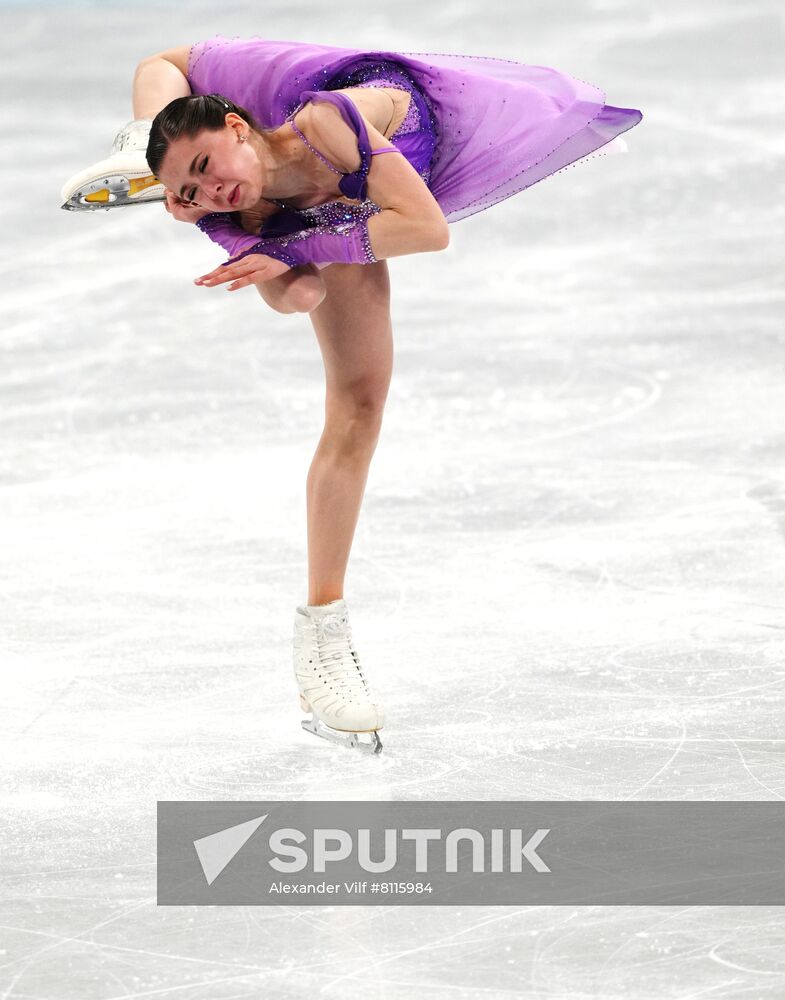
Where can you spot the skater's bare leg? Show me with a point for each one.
(159, 80)
(354, 331)
(300, 289)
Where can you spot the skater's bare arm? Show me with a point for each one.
(411, 220)
(159, 79)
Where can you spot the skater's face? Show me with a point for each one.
(214, 169)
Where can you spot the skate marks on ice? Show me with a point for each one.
(567, 570)
(770, 494)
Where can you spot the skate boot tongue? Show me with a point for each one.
(332, 633)
(331, 622)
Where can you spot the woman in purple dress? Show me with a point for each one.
(274, 150)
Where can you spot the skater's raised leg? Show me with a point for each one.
(159, 79)
(123, 178)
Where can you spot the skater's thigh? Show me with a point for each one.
(354, 330)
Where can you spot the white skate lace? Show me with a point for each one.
(337, 655)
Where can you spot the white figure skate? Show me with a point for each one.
(331, 682)
(122, 179)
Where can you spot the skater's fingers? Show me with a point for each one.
(223, 278)
(219, 274)
(262, 267)
(255, 264)
(175, 206)
(181, 209)
(240, 283)
(252, 262)
(252, 268)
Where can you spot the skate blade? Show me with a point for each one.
(350, 740)
(113, 192)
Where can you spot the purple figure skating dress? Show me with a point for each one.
(478, 129)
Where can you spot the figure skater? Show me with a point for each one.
(273, 149)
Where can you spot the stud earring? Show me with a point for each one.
(243, 138)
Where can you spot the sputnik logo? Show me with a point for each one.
(217, 850)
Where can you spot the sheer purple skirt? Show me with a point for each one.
(479, 131)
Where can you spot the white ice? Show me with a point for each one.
(567, 578)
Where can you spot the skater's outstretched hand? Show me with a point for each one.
(246, 271)
(183, 210)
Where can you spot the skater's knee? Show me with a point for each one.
(358, 407)
(307, 296)
(296, 291)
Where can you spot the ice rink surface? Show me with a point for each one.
(567, 578)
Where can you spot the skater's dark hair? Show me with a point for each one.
(187, 116)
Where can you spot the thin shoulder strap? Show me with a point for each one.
(313, 149)
(353, 185)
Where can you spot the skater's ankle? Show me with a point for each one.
(328, 597)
